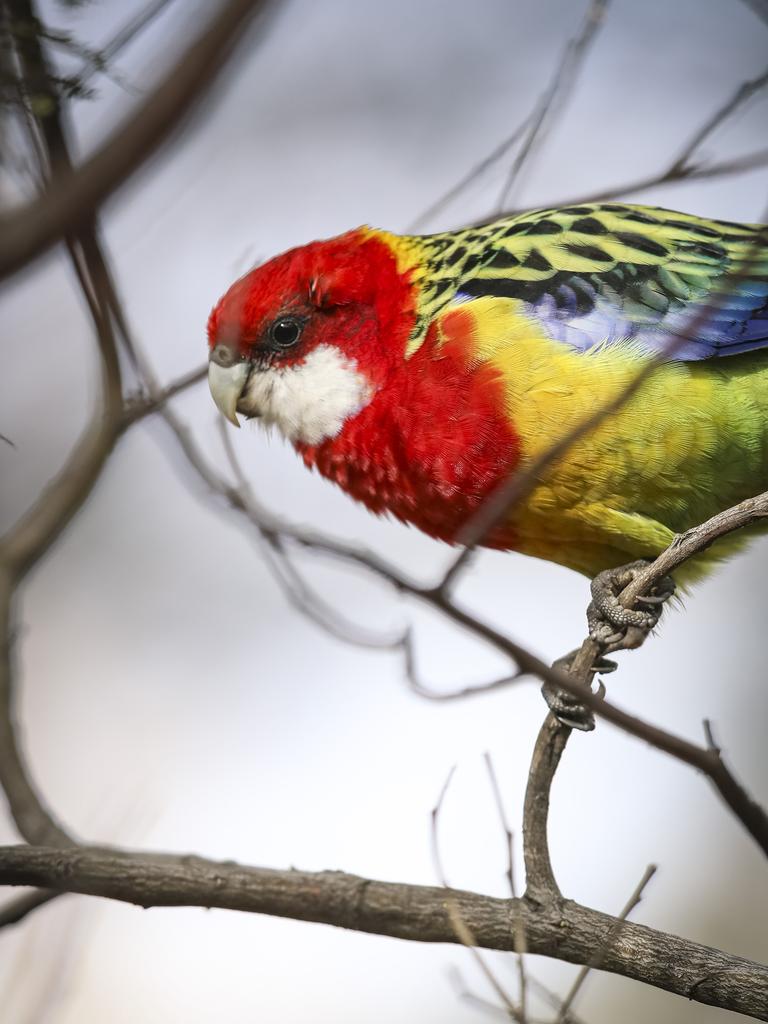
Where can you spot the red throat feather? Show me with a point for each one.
(436, 439)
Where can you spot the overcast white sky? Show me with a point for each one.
(172, 700)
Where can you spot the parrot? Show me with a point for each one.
(418, 372)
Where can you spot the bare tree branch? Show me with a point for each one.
(568, 931)
(139, 406)
(696, 540)
(760, 8)
(31, 537)
(294, 586)
(682, 169)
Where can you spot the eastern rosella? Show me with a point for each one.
(419, 372)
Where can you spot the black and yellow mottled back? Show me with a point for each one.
(601, 273)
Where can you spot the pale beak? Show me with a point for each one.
(226, 384)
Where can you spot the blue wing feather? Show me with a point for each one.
(651, 275)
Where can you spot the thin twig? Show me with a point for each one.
(122, 39)
(140, 406)
(742, 94)
(753, 161)
(463, 932)
(472, 175)
(567, 71)
(564, 1015)
(294, 586)
(411, 675)
(681, 169)
(520, 944)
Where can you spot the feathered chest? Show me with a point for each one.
(429, 447)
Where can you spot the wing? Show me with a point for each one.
(599, 274)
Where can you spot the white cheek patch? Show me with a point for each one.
(308, 402)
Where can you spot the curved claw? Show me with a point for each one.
(566, 708)
(612, 625)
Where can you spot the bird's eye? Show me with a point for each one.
(286, 331)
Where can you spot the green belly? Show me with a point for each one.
(691, 443)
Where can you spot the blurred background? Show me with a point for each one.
(172, 699)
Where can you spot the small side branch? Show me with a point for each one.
(17, 910)
(564, 1016)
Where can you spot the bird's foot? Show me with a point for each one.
(611, 625)
(564, 706)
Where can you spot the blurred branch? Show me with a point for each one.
(122, 38)
(295, 587)
(760, 7)
(520, 944)
(462, 930)
(474, 690)
(139, 406)
(28, 540)
(414, 912)
(681, 169)
(16, 911)
(741, 96)
(472, 175)
(722, 169)
(543, 115)
(566, 74)
(31, 537)
(34, 821)
(26, 233)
